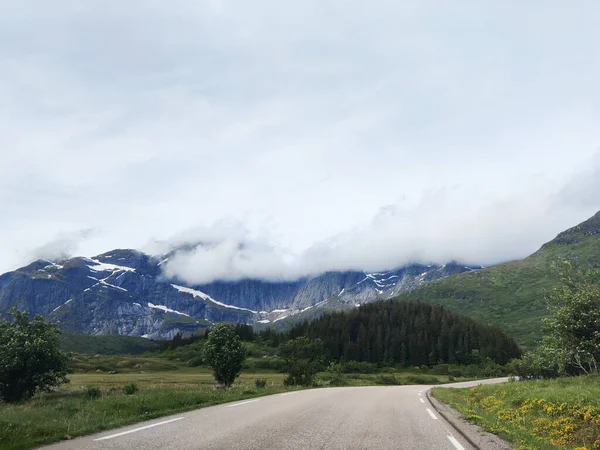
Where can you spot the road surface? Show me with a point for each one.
(374, 418)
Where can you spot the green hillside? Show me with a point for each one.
(512, 295)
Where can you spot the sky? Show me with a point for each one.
(296, 137)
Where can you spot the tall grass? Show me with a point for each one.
(545, 415)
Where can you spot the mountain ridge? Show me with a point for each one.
(124, 291)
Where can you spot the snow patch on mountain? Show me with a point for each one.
(98, 266)
(204, 296)
(167, 310)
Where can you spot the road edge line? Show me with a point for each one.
(451, 421)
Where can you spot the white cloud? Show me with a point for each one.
(301, 122)
(473, 227)
(61, 247)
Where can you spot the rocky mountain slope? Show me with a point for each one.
(124, 292)
(512, 296)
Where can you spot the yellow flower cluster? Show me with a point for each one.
(561, 424)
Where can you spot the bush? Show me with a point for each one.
(334, 375)
(260, 383)
(387, 380)
(30, 357)
(303, 359)
(441, 369)
(422, 379)
(130, 389)
(93, 392)
(456, 373)
(195, 362)
(536, 364)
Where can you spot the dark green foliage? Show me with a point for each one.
(409, 334)
(422, 379)
(107, 345)
(244, 332)
(130, 389)
(30, 357)
(387, 380)
(180, 341)
(177, 341)
(93, 392)
(536, 364)
(574, 323)
(357, 367)
(270, 337)
(195, 362)
(572, 343)
(225, 352)
(260, 383)
(303, 359)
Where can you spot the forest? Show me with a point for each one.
(392, 333)
(404, 333)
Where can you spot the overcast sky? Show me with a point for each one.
(320, 134)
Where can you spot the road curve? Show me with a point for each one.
(390, 417)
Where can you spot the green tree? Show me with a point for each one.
(574, 325)
(30, 357)
(225, 353)
(303, 358)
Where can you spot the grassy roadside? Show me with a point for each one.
(65, 415)
(532, 415)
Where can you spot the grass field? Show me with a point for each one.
(532, 415)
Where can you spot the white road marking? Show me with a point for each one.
(138, 429)
(456, 443)
(243, 403)
(289, 393)
(432, 414)
(422, 401)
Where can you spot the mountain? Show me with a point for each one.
(124, 292)
(512, 295)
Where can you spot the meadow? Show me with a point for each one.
(534, 415)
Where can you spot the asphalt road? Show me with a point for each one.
(394, 417)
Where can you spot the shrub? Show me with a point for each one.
(303, 359)
(388, 380)
(195, 362)
(456, 373)
(441, 369)
(260, 383)
(536, 364)
(422, 379)
(93, 392)
(334, 375)
(30, 357)
(130, 389)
